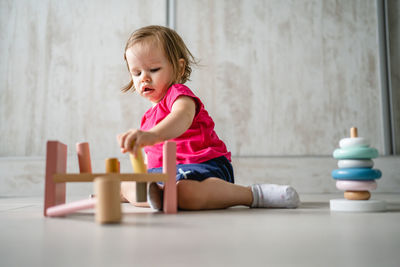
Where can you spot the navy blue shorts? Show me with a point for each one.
(219, 167)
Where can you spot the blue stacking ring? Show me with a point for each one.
(362, 174)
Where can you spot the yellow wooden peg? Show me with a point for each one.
(139, 167)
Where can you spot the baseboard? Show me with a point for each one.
(309, 174)
(24, 176)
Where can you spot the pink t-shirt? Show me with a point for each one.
(198, 144)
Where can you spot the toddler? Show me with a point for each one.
(159, 64)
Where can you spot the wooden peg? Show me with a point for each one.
(71, 207)
(107, 190)
(139, 167)
(108, 206)
(138, 162)
(353, 132)
(112, 165)
(83, 152)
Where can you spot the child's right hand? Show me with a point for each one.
(132, 140)
(173, 125)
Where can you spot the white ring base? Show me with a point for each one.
(357, 205)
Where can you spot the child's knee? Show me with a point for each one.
(189, 197)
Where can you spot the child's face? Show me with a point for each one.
(151, 71)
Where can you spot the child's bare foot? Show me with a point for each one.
(122, 198)
(128, 195)
(128, 192)
(142, 204)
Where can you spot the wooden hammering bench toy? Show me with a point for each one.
(107, 202)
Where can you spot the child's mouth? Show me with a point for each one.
(147, 90)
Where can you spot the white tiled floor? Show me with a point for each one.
(308, 236)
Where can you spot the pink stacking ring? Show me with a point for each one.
(347, 185)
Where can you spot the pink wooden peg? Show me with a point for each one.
(56, 162)
(64, 209)
(83, 152)
(169, 167)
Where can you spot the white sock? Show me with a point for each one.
(274, 196)
(155, 196)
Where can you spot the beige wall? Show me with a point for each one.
(279, 77)
(62, 69)
(286, 77)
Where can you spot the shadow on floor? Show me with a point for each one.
(392, 207)
(314, 205)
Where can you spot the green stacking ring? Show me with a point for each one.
(355, 153)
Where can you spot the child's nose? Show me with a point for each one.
(146, 77)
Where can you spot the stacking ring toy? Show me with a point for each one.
(358, 152)
(353, 141)
(355, 163)
(346, 185)
(364, 174)
(355, 175)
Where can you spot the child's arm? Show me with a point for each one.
(178, 121)
(172, 126)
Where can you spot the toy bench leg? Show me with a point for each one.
(56, 162)
(169, 167)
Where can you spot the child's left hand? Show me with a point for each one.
(134, 139)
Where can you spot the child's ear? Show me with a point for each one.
(182, 65)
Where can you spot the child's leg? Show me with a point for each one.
(212, 193)
(215, 193)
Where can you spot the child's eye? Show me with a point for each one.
(137, 73)
(155, 70)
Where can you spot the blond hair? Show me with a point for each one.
(174, 49)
